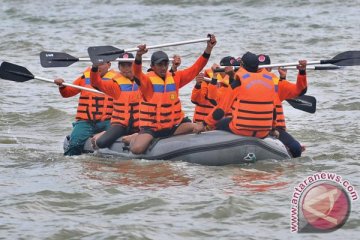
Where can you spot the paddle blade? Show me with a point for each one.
(56, 59)
(316, 68)
(327, 67)
(102, 54)
(305, 103)
(13, 72)
(349, 58)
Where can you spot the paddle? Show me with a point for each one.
(315, 68)
(16, 73)
(60, 59)
(305, 103)
(330, 67)
(349, 58)
(102, 54)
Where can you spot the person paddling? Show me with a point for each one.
(223, 80)
(287, 90)
(199, 97)
(123, 89)
(251, 100)
(94, 110)
(205, 94)
(161, 113)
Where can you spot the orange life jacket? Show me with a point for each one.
(218, 92)
(94, 106)
(126, 107)
(163, 109)
(288, 90)
(210, 73)
(203, 104)
(280, 116)
(210, 96)
(253, 110)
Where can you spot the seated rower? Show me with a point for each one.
(287, 90)
(161, 113)
(250, 99)
(94, 109)
(205, 94)
(123, 89)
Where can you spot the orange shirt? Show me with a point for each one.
(111, 88)
(288, 90)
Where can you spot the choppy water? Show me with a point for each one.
(45, 195)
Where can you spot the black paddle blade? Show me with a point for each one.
(15, 72)
(56, 59)
(327, 67)
(349, 58)
(102, 54)
(305, 103)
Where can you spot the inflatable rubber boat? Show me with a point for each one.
(208, 148)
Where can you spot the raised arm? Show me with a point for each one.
(187, 75)
(110, 87)
(176, 62)
(199, 92)
(288, 90)
(141, 79)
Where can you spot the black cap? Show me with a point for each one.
(229, 61)
(250, 61)
(264, 59)
(126, 55)
(158, 57)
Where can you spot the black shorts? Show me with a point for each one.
(113, 133)
(163, 133)
(223, 124)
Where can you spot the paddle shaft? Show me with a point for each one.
(285, 64)
(69, 85)
(315, 67)
(348, 58)
(101, 54)
(60, 59)
(169, 44)
(222, 69)
(207, 79)
(304, 103)
(116, 60)
(288, 64)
